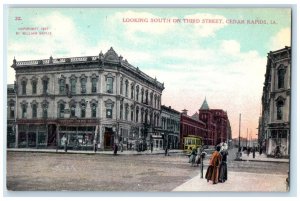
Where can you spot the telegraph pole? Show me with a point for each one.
(238, 154)
(240, 133)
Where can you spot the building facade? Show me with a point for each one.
(170, 125)
(217, 125)
(191, 126)
(274, 125)
(11, 115)
(98, 100)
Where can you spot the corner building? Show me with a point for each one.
(274, 124)
(94, 100)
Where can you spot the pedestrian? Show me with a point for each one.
(115, 149)
(253, 152)
(223, 166)
(167, 150)
(151, 147)
(65, 142)
(95, 146)
(193, 156)
(212, 172)
(260, 150)
(248, 151)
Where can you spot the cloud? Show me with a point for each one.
(230, 47)
(281, 39)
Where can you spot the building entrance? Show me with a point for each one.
(108, 138)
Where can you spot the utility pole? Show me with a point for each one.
(240, 133)
(238, 154)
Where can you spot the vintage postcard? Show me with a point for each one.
(148, 99)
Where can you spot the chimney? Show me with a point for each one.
(184, 112)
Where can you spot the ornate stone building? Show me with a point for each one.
(11, 105)
(274, 125)
(96, 99)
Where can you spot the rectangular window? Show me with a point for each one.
(109, 85)
(94, 85)
(34, 111)
(121, 111)
(132, 90)
(72, 111)
(12, 111)
(109, 111)
(73, 86)
(45, 112)
(23, 88)
(94, 111)
(61, 110)
(62, 86)
(24, 111)
(45, 86)
(34, 87)
(83, 86)
(82, 112)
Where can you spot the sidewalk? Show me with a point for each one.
(263, 158)
(238, 182)
(61, 151)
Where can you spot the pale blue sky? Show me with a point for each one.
(224, 62)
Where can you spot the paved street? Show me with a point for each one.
(51, 171)
(27, 171)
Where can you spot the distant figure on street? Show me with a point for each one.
(151, 147)
(65, 143)
(253, 152)
(212, 172)
(95, 146)
(115, 149)
(167, 150)
(223, 166)
(248, 151)
(260, 150)
(192, 159)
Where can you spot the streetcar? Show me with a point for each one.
(192, 142)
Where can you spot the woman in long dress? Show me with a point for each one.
(212, 172)
(223, 166)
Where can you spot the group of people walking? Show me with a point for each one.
(217, 169)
